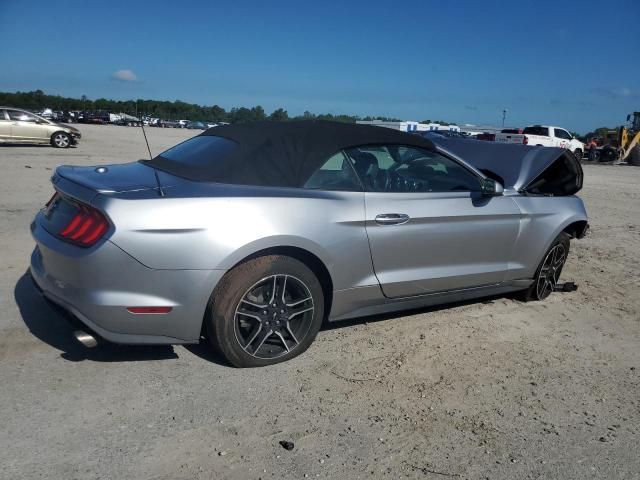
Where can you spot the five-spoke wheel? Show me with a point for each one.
(549, 270)
(265, 310)
(272, 315)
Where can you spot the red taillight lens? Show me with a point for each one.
(525, 140)
(86, 227)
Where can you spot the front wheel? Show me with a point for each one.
(60, 140)
(549, 270)
(265, 311)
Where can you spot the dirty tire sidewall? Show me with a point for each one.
(220, 317)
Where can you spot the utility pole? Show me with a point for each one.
(504, 116)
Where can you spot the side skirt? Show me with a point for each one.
(364, 301)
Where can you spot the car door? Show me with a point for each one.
(5, 126)
(429, 226)
(25, 127)
(563, 138)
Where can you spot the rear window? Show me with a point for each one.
(200, 151)
(537, 131)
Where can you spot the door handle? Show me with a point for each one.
(392, 219)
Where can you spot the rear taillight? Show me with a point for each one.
(525, 140)
(86, 227)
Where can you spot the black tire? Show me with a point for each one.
(61, 140)
(578, 154)
(537, 291)
(232, 320)
(608, 154)
(634, 156)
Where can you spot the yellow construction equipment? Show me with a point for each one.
(623, 144)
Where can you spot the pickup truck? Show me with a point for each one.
(546, 136)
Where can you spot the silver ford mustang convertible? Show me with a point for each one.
(253, 235)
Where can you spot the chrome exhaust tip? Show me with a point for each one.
(85, 338)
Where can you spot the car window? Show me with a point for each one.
(336, 174)
(200, 151)
(537, 130)
(18, 116)
(2, 117)
(562, 134)
(410, 169)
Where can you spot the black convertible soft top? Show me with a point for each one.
(283, 154)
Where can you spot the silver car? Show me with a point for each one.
(20, 126)
(253, 235)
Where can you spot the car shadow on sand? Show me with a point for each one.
(49, 324)
(380, 317)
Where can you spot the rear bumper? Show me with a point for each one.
(97, 285)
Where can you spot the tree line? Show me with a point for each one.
(177, 110)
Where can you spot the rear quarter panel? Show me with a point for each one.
(217, 232)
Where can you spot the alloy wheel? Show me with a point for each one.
(273, 316)
(61, 140)
(550, 271)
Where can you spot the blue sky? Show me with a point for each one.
(569, 63)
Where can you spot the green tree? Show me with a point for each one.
(279, 115)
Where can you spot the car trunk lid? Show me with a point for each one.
(119, 178)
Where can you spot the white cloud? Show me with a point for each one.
(124, 76)
(619, 92)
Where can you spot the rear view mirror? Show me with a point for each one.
(491, 188)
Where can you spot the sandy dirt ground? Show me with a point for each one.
(494, 389)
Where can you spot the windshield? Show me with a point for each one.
(200, 151)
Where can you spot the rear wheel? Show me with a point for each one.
(61, 140)
(265, 311)
(634, 157)
(578, 154)
(549, 270)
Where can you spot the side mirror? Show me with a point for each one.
(491, 188)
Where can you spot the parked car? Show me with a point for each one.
(65, 116)
(257, 233)
(96, 118)
(183, 123)
(486, 136)
(20, 126)
(197, 125)
(171, 124)
(546, 136)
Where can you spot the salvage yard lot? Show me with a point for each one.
(490, 389)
